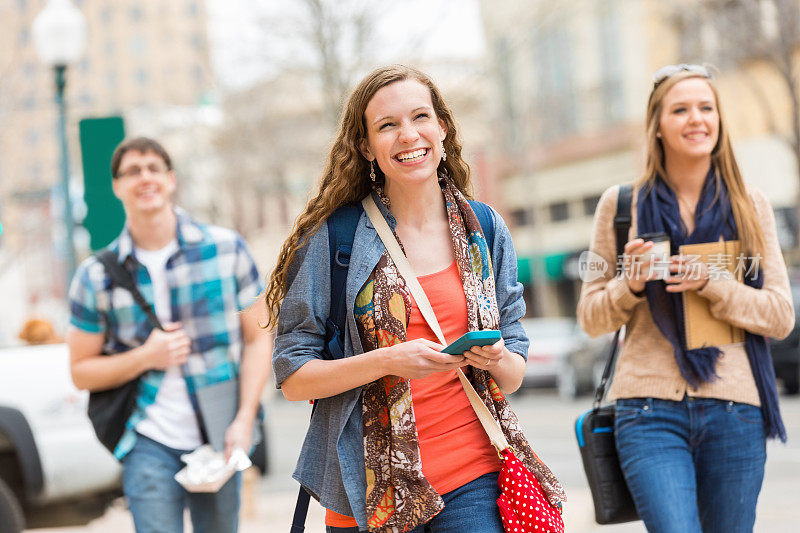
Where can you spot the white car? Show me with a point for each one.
(551, 340)
(50, 458)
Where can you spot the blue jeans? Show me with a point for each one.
(471, 508)
(692, 466)
(157, 501)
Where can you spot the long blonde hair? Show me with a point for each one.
(346, 175)
(751, 236)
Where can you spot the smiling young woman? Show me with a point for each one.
(691, 423)
(379, 452)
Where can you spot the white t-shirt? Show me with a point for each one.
(171, 419)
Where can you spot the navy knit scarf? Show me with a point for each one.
(658, 211)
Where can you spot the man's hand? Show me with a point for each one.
(239, 435)
(168, 348)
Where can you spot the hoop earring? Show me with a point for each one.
(372, 171)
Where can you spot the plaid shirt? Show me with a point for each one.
(211, 278)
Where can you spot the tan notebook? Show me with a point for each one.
(702, 329)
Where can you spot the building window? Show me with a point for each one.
(111, 79)
(32, 137)
(22, 4)
(555, 98)
(137, 45)
(503, 53)
(559, 211)
(198, 73)
(192, 9)
(141, 76)
(24, 36)
(522, 217)
(36, 172)
(29, 70)
(196, 41)
(136, 13)
(105, 14)
(590, 204)
(612, 57)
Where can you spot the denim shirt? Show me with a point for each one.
(331, 464)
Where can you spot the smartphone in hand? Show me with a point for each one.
(472, 338)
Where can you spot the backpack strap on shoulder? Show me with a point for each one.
(342, 225)
(622, 219)
(486, 219)
(341, 231)
(622, 224)
(122, 278)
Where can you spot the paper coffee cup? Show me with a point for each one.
(659, 254)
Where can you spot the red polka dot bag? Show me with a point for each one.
(523, 505)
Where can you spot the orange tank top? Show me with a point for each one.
(453, 445)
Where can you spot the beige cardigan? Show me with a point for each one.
(646, 364)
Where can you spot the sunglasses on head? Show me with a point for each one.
(670, 70)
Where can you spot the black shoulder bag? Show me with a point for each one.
(110, 409)
(594, 429)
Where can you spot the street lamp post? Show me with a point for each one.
(59, 35)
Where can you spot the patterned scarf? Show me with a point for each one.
(398, 497)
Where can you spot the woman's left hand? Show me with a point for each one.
(486, 357)
(686, 274)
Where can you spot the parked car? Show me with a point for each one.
(52, 467)
(786, 352)
(551, 340)
(53, 470)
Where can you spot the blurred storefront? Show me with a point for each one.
(571, 82)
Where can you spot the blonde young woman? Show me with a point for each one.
(394, 444)
(691, 424)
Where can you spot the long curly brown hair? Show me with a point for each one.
(751, 236)
(346, 175)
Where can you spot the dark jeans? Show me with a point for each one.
(471, 508)
(692, 466)
(157, 501)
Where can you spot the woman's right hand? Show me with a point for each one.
(420, 358)
(638, 270)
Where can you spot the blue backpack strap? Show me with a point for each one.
(486, 218)
(341, 231)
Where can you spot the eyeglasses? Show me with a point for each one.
(670, 70)
(136, 171)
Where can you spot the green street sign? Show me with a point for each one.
(105, 216)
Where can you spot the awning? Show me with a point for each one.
(549, 267)
(554, 265)
(524, 270)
